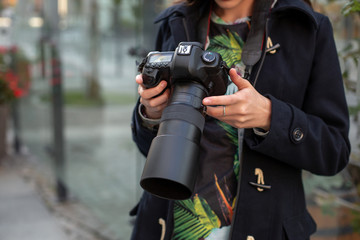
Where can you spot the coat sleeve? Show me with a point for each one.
(141, 135)
(315, 136)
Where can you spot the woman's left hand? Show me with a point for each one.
(247, 108)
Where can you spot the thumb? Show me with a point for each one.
(238, 81)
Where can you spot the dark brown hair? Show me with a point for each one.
(308, 2)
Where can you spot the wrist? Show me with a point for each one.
(267, 115)
(146, 120)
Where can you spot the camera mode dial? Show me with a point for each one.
(208, 57)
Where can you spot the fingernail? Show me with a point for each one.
(206, 101)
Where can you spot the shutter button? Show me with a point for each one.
(298, 135)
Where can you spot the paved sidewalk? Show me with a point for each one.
(23, 214)
(28, 209)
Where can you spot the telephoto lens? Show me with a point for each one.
(172, 163)
(171, 166)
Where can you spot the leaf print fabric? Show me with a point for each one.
(208, 213)
(229, 46)
(195, 219)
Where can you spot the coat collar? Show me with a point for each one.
(285, 5)
(197, 12)
(176, 9)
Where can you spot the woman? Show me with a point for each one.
(290, 115)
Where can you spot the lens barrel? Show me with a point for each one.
(171, 167)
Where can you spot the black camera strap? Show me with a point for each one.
(252, 49)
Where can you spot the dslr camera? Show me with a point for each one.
(192, 74)
(189, 62)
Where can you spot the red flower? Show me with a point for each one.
(18, 93)
(17, 78)
(13, 83)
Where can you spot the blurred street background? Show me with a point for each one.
(65, 135)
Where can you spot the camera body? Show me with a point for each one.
(189, 62)
(171, 166)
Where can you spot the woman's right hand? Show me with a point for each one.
(154, 106)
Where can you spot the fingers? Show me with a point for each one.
(240, 82)
(220, 111)
(219, 100)
(139, 79)
(156, 102)
(150, 92)
(215, 111)
(154, 99)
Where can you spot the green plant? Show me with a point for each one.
(352, 6)
(350, 53)
(6, 93)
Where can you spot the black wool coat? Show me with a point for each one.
(309, 123)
